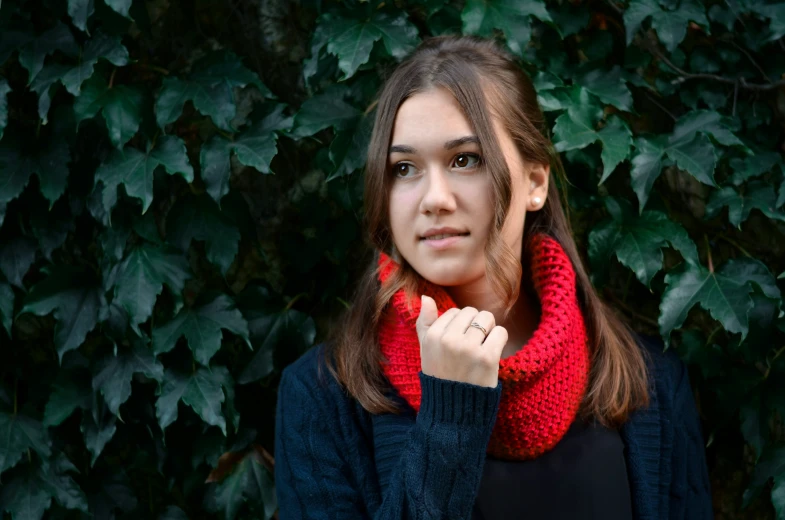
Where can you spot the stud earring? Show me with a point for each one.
(537, 200)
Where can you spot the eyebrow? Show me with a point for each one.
(449, 145)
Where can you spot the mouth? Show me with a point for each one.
(444, 240)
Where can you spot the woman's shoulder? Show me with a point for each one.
(667, 370)
(310, 370)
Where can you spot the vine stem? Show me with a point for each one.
(293, 301)
(708, 254)
(736, 245)
(111, 78)
(740, 81)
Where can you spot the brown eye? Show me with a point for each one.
(467, 160)
(401, 169)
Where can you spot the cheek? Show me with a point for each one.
(403, 209)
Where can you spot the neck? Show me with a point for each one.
(520, 322)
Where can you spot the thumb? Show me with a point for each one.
(428, 314)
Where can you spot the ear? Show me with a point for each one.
(539, 176)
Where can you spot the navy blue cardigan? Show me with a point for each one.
(334, 460)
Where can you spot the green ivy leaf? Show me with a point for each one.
(16, 258)
(25, 498)
(777, 204)
(200, 390)
(98, 429)
(134, 169)
(256, 146)
(210, 88)
(272, 328)
(29, 493)
(724, 293)
(324, 111)
(80, 11)
(60, 485)
(227, 383)
(50, 163)
(758, 195)
(215, 159)
(121, 7)
(45, 84)
(201, 327)
(351, 39)
(33, 53)
(215, 101)
(575, 129)
(114, 373)
(706, 122)
(51, 166)
(173, 513)
(20, 433)
(100, 47)
(749, 414)
(69, 392)
(671, 26)
(754, 166)
(5, 89)
(695, 155)
(637, 241)
(15, 170)
(481, 17)
(754, 271)
(249, 481)
(121, 107)
(778, 491)
(348, 148)
(770, 464)
(72, 77)
(6, 306)
(142, 275)
(76, 299)
(609, 86)
(199, 218)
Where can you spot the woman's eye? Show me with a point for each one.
(467, 160)
(401, 169)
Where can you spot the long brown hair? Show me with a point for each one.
(485, 81)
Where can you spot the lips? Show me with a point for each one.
(444, 235)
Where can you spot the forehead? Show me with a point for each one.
(430, 115)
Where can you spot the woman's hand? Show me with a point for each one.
(451, 349)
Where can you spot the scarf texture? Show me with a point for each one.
(543, 383)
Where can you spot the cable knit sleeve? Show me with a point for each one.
(324, 466)
(690, 490)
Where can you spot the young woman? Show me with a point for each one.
(477, 374)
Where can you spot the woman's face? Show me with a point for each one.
(441, 182)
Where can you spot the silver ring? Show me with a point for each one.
(478, 326)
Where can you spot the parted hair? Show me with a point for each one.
(488, 83)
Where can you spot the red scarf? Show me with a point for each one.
(543, 383)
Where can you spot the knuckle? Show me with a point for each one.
(486, 315)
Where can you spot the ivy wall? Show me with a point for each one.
(180, 209)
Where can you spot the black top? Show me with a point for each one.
(583, 476)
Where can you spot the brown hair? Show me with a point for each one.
(484, 80)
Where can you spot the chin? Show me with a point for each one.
(447, 273)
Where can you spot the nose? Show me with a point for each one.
(438, 197)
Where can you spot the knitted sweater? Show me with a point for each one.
(336, 461)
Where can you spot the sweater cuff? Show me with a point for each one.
(458, 403)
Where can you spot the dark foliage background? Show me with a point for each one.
(180, 205)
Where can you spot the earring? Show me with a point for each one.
(537, 200)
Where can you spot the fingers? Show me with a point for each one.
(429, 320)
(496, 340)
(486, 320)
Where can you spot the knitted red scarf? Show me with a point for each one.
(542, 384)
